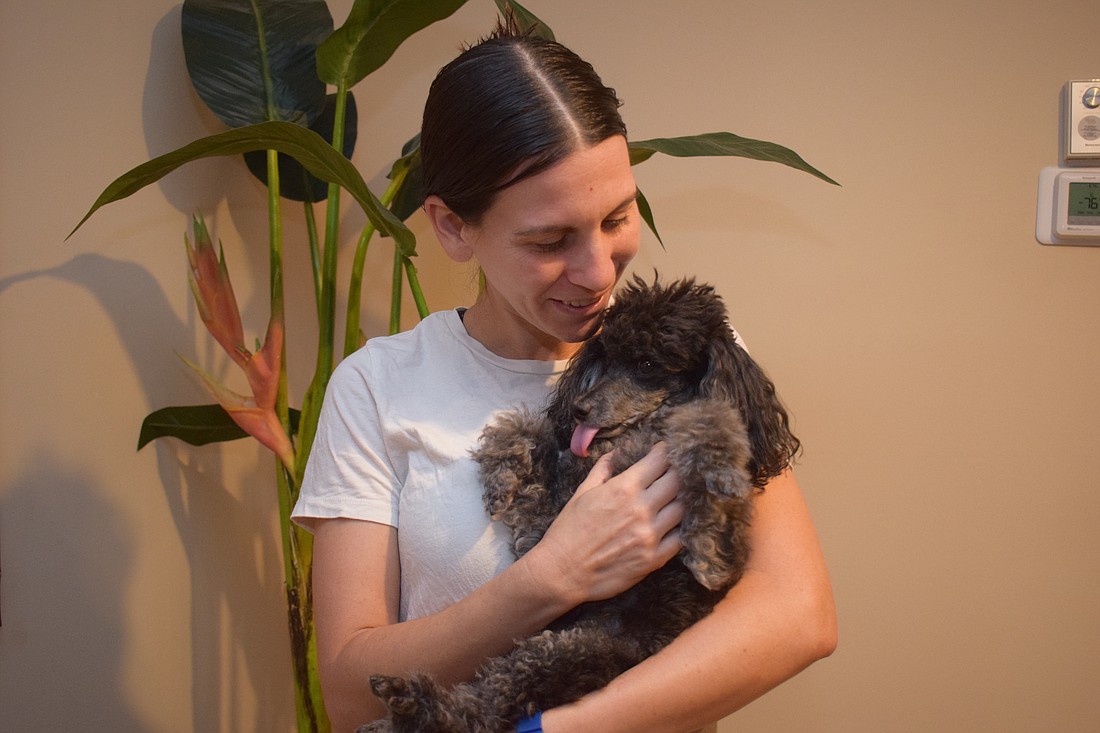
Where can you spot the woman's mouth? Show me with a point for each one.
(584, 305)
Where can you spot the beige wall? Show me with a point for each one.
(940, 364)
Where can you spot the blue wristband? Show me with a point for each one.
(530, 725)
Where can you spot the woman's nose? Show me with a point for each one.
(595, 265)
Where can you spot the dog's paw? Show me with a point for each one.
(401, 696)
(505, 457)
(418, 705)
(714, 535)
(710, 575)
(710, 448)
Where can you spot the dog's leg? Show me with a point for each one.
(555, 668)
(545, 671)
(709, 447)
(516, 454)
(420, 705)
(542, 672)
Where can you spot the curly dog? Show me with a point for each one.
(665, 366)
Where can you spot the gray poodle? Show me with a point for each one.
(664, 367)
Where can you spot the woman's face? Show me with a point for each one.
(552, 247)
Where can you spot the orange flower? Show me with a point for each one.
(213, 292)
(218, 310)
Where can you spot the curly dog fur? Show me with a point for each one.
(664, 366)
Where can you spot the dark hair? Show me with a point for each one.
(507, 108)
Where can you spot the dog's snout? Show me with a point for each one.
(581, 410)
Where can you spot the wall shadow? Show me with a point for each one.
(172, 124)
(68, 557)
(238, 622)
(238, 634)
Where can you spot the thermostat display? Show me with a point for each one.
(1068, 210)
(1077, 205)
(1083, 203)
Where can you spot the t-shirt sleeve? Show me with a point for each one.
(739, 341)
(349, 473)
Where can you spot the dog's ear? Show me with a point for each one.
(585, 369)
(733, 376)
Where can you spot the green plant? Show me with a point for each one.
(265, 67)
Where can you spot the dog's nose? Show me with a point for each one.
(581, 410)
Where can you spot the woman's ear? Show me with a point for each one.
(450, 229)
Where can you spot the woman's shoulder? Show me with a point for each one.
(438, 355)
(430, 336)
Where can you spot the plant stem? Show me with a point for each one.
(415, 289)
(326, 310)
(314, 253)
(355, 285)
(275, 264)
(355, 291)
(265, 66)
(298, 568)
(327, 325)
(297, 555)
(395, 291)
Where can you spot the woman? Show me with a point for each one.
(526, 172)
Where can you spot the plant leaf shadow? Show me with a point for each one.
(239, 649)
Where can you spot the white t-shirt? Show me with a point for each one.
(393, 447)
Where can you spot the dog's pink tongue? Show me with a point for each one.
(582, 438)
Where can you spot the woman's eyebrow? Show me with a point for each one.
(630, 199)
(542, 229)
(553, 228)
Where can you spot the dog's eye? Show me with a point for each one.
(647, 369)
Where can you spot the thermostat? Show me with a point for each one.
(1068, 209)
(1081, 121)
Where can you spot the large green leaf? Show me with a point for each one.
(196, 425)
(373, 31)
(647, 216)
(255, 60)
(306, 146)
(525, 19)
(722, 143)
(410, 196)
(295, 182)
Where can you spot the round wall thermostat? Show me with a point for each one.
(1081, 126)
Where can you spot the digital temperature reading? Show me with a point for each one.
(1068, 208)
(1083, 203)
(1077, 205)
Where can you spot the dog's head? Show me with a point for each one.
(660, 345)
(653, 348)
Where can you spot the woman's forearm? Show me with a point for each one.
(358, 632)
(452, 643)
(776, 621)
(700, 678)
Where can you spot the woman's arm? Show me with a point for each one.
(775, 622)
(356, 595)
(612, 533)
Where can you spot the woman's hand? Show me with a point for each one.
(614, 531)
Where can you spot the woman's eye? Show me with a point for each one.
(613, 224)
(550, 246)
